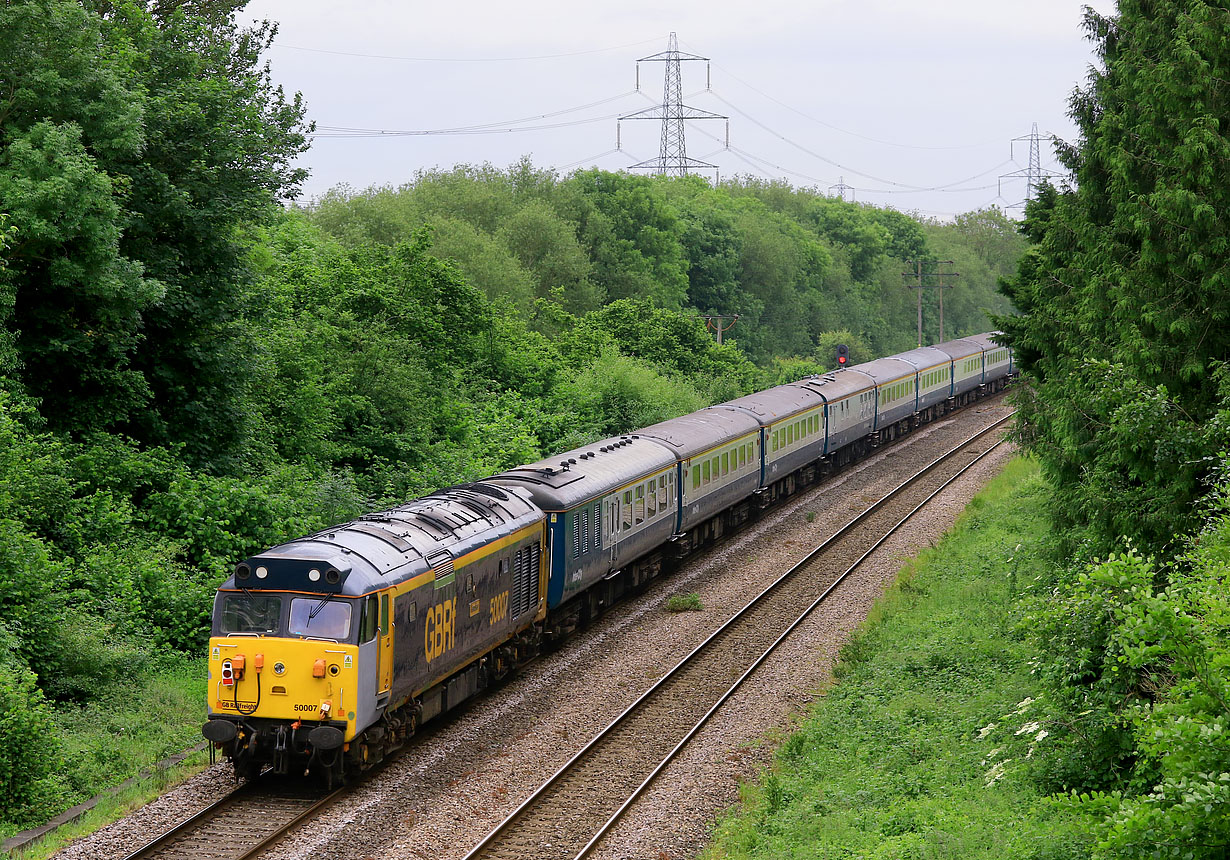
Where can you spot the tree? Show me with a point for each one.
(1131, 268)
(139, 140)
(632, 235)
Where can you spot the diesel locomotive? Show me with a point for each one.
(327, 652)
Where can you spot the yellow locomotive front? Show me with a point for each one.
(285, 665)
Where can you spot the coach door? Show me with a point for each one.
(610, 525)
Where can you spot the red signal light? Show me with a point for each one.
(228, 674)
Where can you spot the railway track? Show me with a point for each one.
(571, 811)
(241, 825)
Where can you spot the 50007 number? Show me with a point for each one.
(499, 608)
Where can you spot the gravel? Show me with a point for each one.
(463, 776)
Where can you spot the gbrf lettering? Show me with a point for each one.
(440, 629)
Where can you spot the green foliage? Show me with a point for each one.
(135, 145)
(29, 750)
(685, 603)
(896, 759)
(1128, 280)
(1090, 695)
(1169, 649)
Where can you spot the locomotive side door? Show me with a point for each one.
(384, 676)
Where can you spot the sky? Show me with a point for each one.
(913, 105)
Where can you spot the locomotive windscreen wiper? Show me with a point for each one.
(319, 606)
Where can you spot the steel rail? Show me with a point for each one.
(858, 519)
(802, 617)
(166, 842)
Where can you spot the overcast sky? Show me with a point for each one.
(885, 95)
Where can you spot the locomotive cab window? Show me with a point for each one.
(259, 613)
(325, 618)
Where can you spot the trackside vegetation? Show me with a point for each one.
(923, 747)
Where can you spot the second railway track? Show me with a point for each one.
(571, 811)
(240, 825)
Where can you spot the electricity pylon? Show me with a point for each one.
(672, 157)
(1034, 174)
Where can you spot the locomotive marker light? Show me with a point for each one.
(228, 674)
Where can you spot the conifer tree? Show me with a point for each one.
(1125, 301)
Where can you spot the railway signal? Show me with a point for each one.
(843, 356)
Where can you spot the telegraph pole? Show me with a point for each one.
(672, 157)
(717, 323)
(919, 279)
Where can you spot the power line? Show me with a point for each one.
(480, 128)
(459, 59)
(832, 127)
(344, 133)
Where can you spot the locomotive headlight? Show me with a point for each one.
(279, 668)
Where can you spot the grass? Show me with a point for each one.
(127, 729)
(685, 603)
(890, 762)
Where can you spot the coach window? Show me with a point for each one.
(638, 510)
(663, 497)
(695, 476)
(725, 463)
(627, 510)
(704, 470)
(651, 502)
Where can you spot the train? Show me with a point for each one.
(328, 652)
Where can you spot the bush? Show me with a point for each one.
(29, 746)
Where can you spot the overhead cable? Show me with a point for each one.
(459, 59)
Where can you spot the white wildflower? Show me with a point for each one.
(1042, 734)
(986, 730)
(1023, 705)
(1028, 727)
(996, 773)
